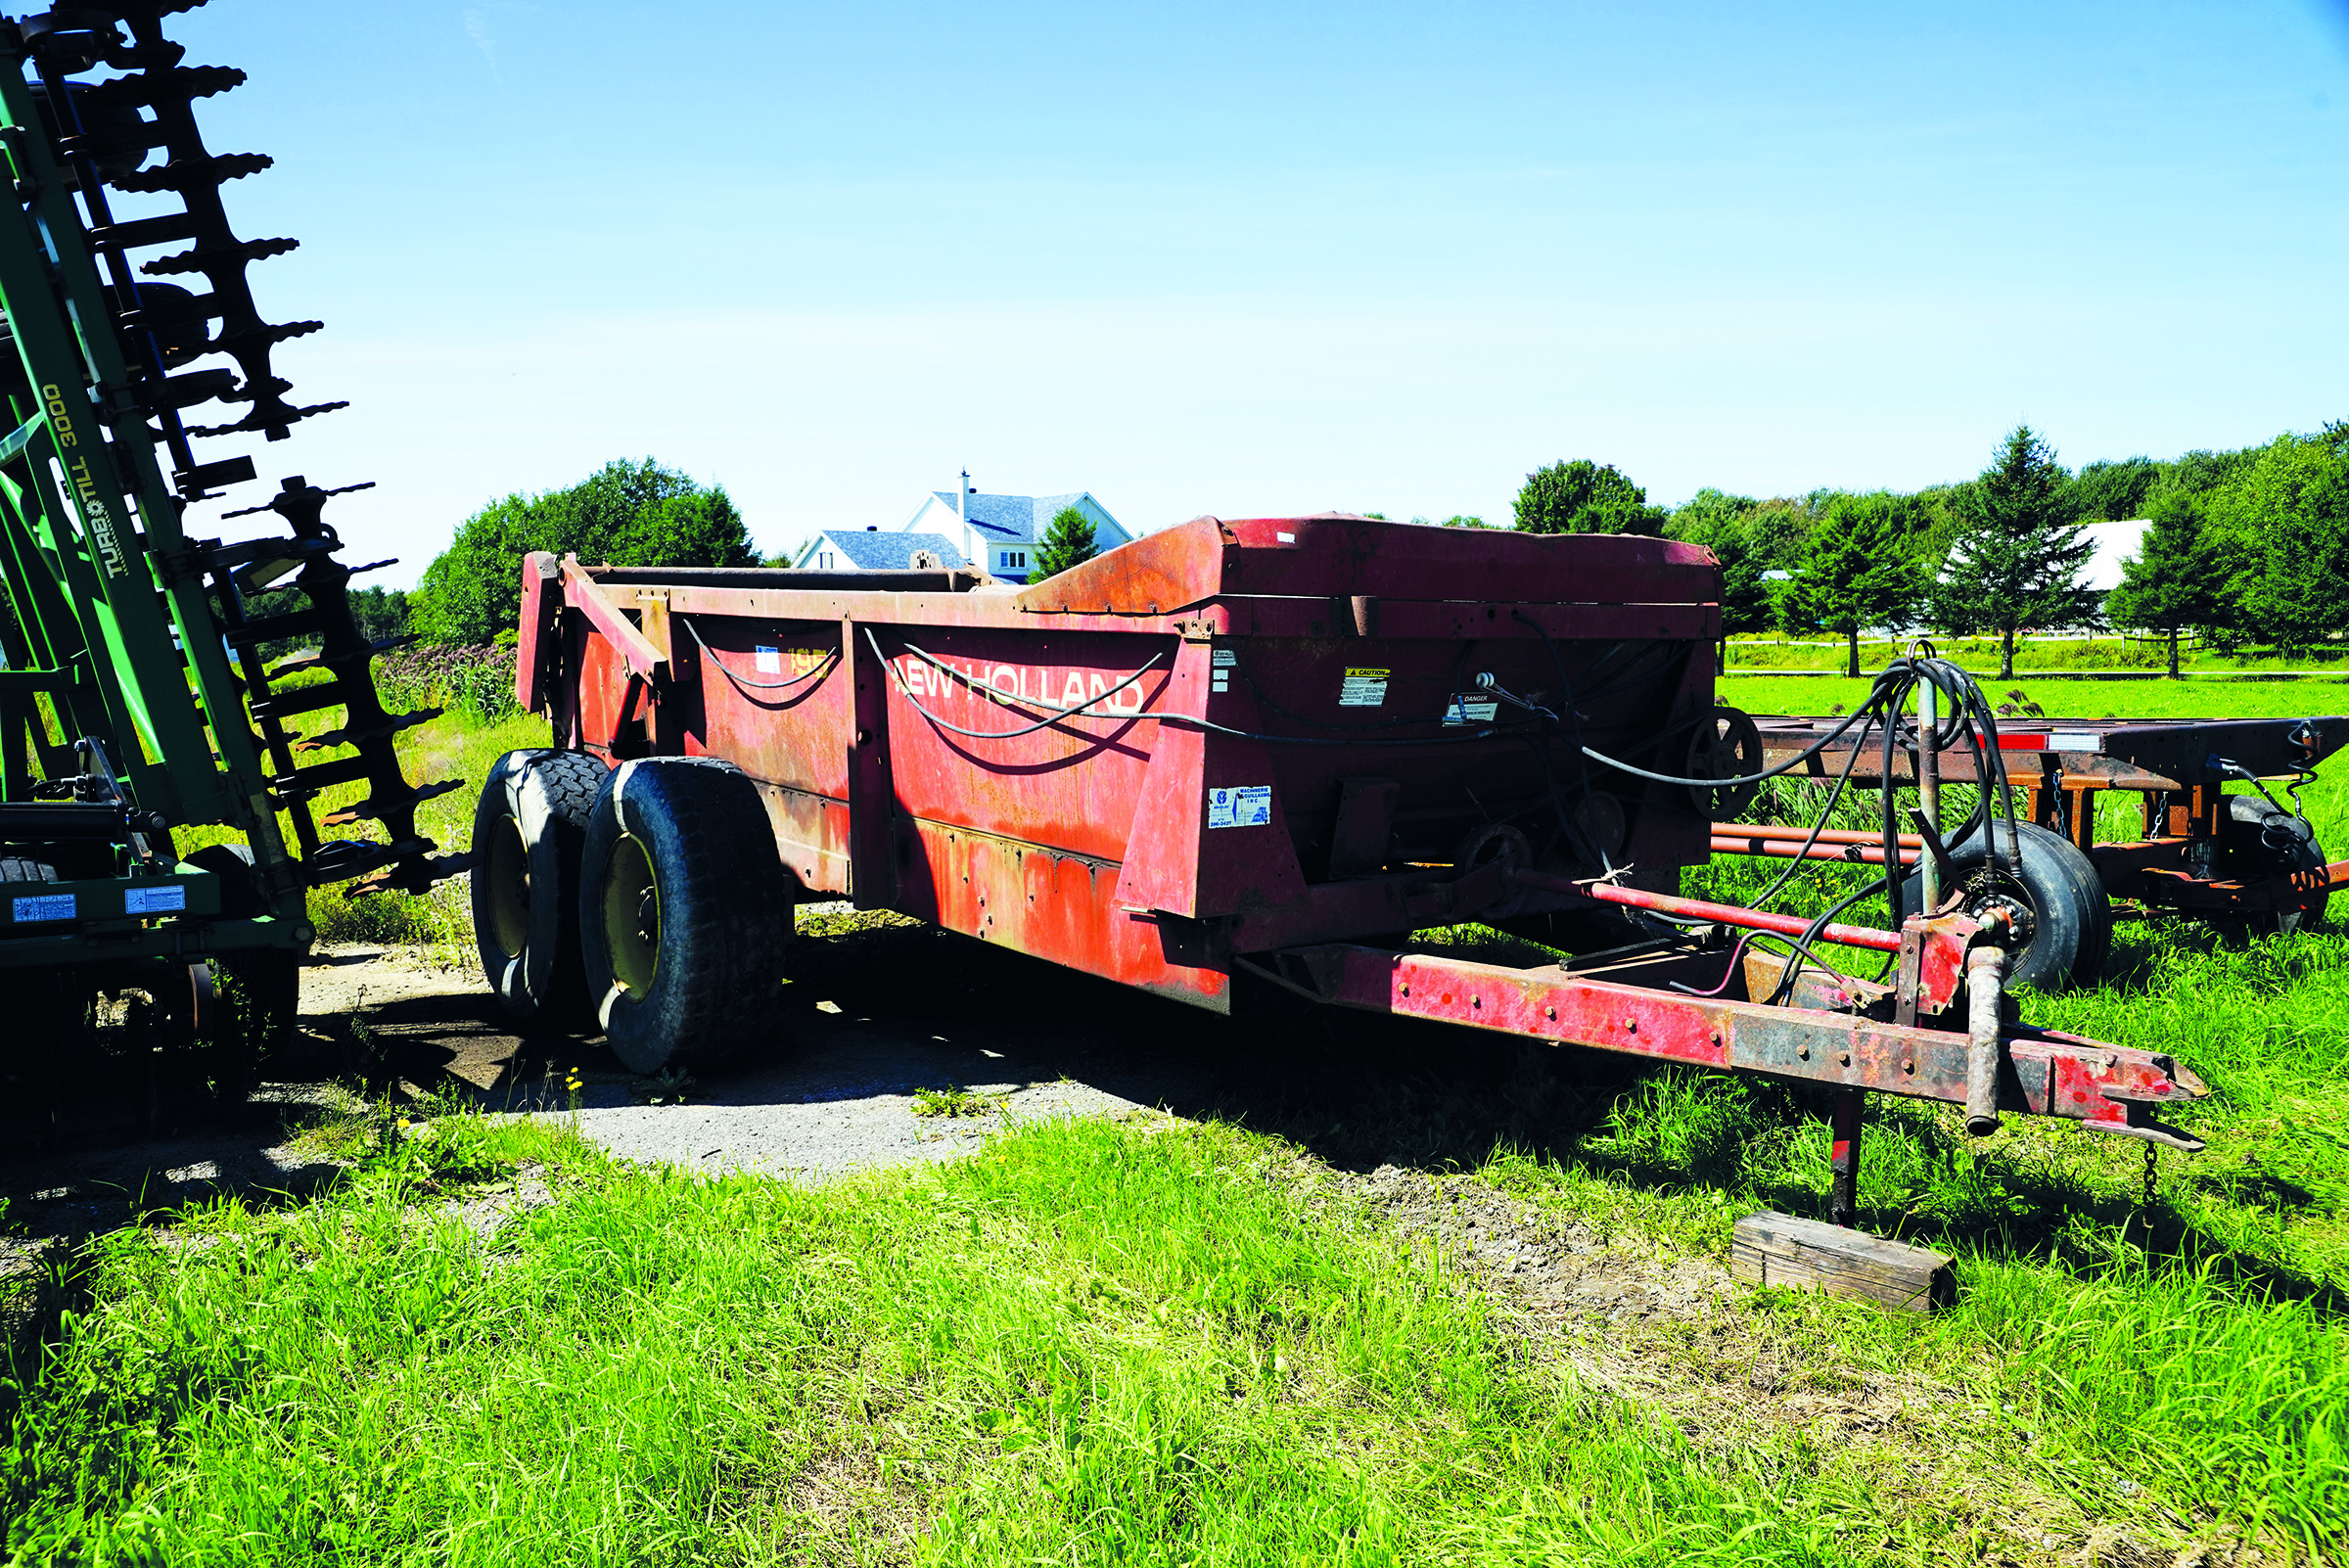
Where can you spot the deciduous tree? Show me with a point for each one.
(2289, 506)
(626, 514)
(1721, 523)
(1584, 497)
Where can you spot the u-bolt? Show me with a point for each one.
(1985, 977)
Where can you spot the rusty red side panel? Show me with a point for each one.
(1237, 680)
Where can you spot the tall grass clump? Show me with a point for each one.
(477, 682)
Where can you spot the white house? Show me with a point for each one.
(1000, 533)
(868, 550)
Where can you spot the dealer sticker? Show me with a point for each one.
(1364, 688)
(1241, 806)
(48, 907)
(1469, 711)
(154, 900)
(770, 661)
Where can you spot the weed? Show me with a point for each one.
(955, 1100)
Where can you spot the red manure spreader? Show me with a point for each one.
(1262, 752)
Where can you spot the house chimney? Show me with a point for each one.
(962, 505)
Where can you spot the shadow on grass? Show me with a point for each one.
(908, 1007)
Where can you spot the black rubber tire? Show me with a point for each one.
(685, 909)
(2071, 936)
(529, 827)
(244, 896)
(2259, 841)
(23, 869)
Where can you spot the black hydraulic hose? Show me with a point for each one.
(1362, 730)
(1057, 713)
(1787, 766)
(1818, 825)
(831, 657)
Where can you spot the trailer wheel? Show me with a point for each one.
(684, 911)
(2055, 894)
(528, 830)
(2262, 840)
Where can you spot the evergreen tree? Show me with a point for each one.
(1068, 541)
(2018, 562)
(2179, 576)
(1584, 497)
(1857, 572)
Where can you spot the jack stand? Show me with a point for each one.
(1843, 1161)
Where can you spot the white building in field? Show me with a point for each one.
(999, 534)
(2113, 540)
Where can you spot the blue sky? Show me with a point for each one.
(1277, 259)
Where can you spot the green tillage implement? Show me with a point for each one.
(136, 699)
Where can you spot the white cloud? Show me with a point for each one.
(484, 36)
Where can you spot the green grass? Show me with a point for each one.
(440, 921)
(1769, 651)
(1156, 1342)
(2066, 699)
(1144, 1342)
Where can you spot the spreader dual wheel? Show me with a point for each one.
(684, 912)
(2052, 892)
(528, 832)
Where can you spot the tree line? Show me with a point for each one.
(2240, 546)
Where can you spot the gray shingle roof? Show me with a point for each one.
(1009, 517)
(869, 551)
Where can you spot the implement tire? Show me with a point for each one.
(528, 831)
(684, 911)
(2055, 884)
(2259, 842)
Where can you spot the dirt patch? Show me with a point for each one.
(1675, 1336)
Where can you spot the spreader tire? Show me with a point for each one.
(528, 831)
(684, 911)
(2054, 884)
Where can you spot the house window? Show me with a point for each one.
(823, 561)
(1014, 560)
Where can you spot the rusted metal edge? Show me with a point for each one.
(2109, 1087)
(585, 595)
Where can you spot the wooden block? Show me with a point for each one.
(1777, 1249)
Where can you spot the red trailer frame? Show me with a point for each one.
(2179, 767)
(1275, 747)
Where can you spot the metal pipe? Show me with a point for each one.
(1928, 788)
(1727, 914)
(1985, 974)
(1793, 850)
(1780, 830)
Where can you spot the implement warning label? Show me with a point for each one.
(1244, 806)
(43, 906)
(1364, 688)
